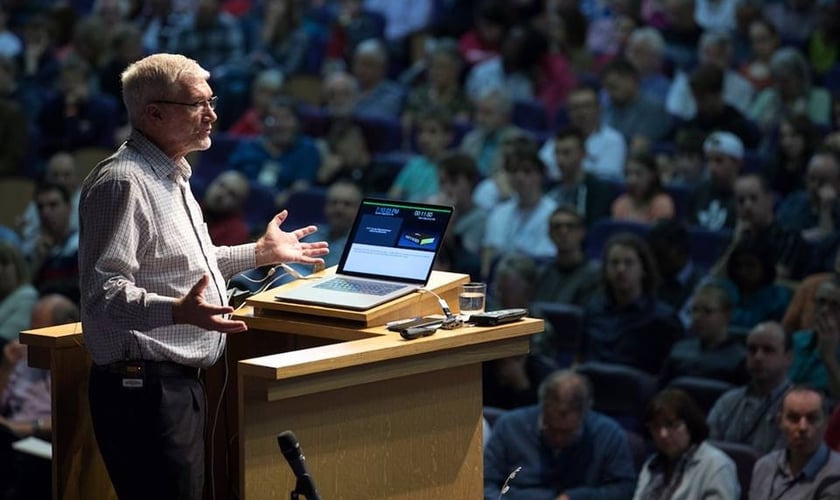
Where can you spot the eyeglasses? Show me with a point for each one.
(211, 103)
(670, 425)
(704, 310)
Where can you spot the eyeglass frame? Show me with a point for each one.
(211, 103)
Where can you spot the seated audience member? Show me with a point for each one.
(484, 40)
(570, 278)
(627, 324)
(25, 405)
(755, 218)
(492, 128)
(787, 166)
(644, 200)
(646, 51)
(526, 69)
(275, 35)
(513, 381)
(750, 278)
(709, 351)
(805, 467)
(76, 116)
(442, 88)
(640, 119)
(564, 448)
(223, 208)
(461, 249)
(282, 158)
(418, 179)
(210, 35)
(684, 464)
(763, 41)
(266, 87)
(714, 48)
(54, 258)
(682, 33)
(15, 120)
(671, 246)
(61, 169)
(586, 192)
(378, 96)
(815, 210)
(816, 357)
(713, 113)
(521, 223)
(713, 202)
(685, 166)
(800, 312)
(340, 207)
(792, 92)
(17, 295)
(748, 414)
(605, 147)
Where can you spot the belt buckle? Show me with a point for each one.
(133, 375)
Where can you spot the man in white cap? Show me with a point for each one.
(713, 203)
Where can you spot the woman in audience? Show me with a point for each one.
(627, 324)
(798, 139)
(684, 466)
(644, 200)
(764, 40)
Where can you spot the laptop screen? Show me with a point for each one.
(394, 240)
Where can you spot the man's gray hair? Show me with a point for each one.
(155, 77)
(567, 386)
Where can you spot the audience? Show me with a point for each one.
(565, 449)
(461, 248)
(749, 414)
(418, 179)
(340, 206)
(583, 190)
(713, 201)
(378, 96)
(492, 128)
(628, 324)
(17, 295)
(267, 86)
(521, 223)
(644, 200)
(709, 352)
(671, 246)
(815, 210)
(816, 351)
(223, 208)
(684, 464)
(787, 166)
(805, 467)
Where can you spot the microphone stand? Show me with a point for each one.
(302, 488)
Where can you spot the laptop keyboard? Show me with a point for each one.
(355, 286)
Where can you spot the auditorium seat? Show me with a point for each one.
(704, 391)
(306, 207)
(564, 323)
(744, 457)
(707, 245)
(601, 231)
(620, 391)
(529, 115)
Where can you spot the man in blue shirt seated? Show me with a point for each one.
(565, 450)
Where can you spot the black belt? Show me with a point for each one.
(141, 368)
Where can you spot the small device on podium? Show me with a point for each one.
(305, 486)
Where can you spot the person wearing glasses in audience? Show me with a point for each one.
(565, 450)
(684, 466)
(805, 468)
(153, 307)
(816, 351)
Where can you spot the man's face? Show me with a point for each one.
(822, 171)
(803, 421)
(368, 69)
(752, 203)
(488, 116)
(53, 212)
(281, 126)
(561, 422)
(723, 169)
(569, 154)
(766, 357)
(184, 124)
(620, 87)
(226, 193)
(524, 177)
(708, 318)
(584, 110)
(341, 205)
(566, 232)
(61, 170)
(624, 270)
(456, 189)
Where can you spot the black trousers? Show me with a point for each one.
(151, 437)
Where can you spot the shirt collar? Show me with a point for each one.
(811, 469)
(163, 165)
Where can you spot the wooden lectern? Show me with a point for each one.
(377, 416)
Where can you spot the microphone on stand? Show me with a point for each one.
(290, 447)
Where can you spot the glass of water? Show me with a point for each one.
(471, 299)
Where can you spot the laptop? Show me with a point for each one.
(389, 253)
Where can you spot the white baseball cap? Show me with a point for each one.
(724, 142)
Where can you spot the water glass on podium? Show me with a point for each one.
(471, 298)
